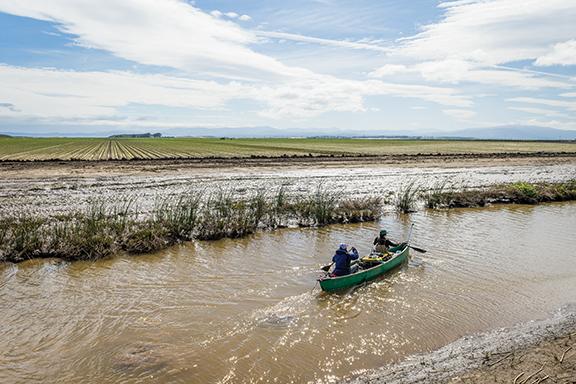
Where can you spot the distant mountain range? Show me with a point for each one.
(508, 132)
(513, 132)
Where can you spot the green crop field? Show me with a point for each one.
(167, 148)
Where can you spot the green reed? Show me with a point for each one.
(103, 228)
(407, 197)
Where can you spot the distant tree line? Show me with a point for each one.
(136, 135)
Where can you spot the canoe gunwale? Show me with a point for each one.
(364, 270)
(330, 284)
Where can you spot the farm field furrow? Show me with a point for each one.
(29, 149)
(139, 152)
(26, 151)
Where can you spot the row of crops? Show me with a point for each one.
(27, 149)
(30, 149)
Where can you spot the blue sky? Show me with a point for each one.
(79, 66)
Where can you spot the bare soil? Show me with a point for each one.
(552, 360)
(50, 188)
(134, 167)
(535, 352)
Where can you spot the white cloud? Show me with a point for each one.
(168, 33)
(231, 15)
(494, 31)
(307, 98)
(497, 78)
(456, 71)
(466, 46)
(568, 94)
(472, 39)
(567, 125)
(449, 4)
(561, 54)
(320, 41)
(390, 70)
(569, 105)
(48, 93)
(459, 114)
(70, 94)
(539, 111)
(446, 71)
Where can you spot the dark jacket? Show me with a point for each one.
(384, 241)
(342, 259)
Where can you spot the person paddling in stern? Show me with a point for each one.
(382, 243)
(342, 258)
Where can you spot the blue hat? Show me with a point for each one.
(343, 246)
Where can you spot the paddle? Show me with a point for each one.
(418, 249)
(421, 250)
(408, 243)
(326, 268)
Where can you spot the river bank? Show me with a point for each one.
(104, 229)
(533, 352)
(513, 193)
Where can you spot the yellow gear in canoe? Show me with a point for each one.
(374, 258)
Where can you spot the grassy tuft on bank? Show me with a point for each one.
(444, 195)
(103, 229)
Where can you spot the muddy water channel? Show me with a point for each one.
(245, 311)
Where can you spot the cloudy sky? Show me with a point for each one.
(147, 65)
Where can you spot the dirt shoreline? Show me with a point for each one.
(533, 352)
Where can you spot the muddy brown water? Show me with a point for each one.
(245, 311)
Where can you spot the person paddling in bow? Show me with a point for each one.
(382, 243)
(342, 258)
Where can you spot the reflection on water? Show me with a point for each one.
(246, 311)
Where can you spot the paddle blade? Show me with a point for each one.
(326, 267)
(418, 249)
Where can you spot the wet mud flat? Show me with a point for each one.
(532, 352)
(58, 187)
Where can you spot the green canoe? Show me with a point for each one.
(331, 284)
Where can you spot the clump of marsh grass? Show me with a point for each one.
(178, 215)
(441, 194)
(104, 228)
(23, 237)
(90, 234)
(216, 216)
(319, 208)
(514, 193)
(558, 191)
(437, 196)
(258, 206)
(407, 197)
(524, 193)
(145, 237)
(4, 227)
(224, 216)
(276, 209)
(367, 208)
